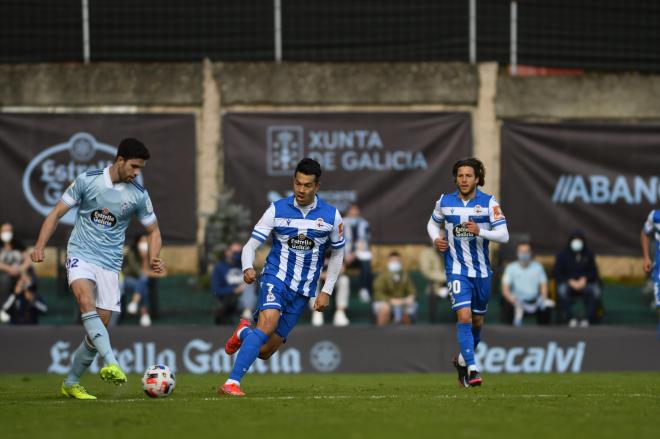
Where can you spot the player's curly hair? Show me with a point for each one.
(474, 163)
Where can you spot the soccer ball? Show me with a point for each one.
(158, 381)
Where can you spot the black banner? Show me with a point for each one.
(200, 350)
(601, 178)
(41, 154)
(394, 165)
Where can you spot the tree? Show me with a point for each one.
(229, 223)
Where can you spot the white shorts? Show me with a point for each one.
(106, 282)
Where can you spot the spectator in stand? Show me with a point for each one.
(525, 286)
(228, 286)
(394, 294)
(358, 253)
(13, 259)
(577, 276)
(137, 276)
(433, 270)
(24, 305)
(342, 292)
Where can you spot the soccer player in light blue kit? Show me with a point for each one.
(461, 226)
(652, 227)
(106, 199)
(303, 227)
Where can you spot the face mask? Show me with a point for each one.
(577, 245)
(394, 266)
(236, 258)
(6, 236)
(524, 257)
(143, 247)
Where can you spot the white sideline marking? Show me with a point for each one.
(358, 397)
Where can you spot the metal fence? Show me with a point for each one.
(591, 34)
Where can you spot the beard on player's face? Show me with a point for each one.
(129, 170)
(466, 181)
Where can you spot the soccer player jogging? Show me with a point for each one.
(303, 227)
(461, 226)
(652, 227)
(106, 200)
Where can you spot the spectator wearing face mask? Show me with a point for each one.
(24, 306)
(228, 287)
(525, 286)
(13, 259)
(394, 294)
(577, 277)
(137, 274)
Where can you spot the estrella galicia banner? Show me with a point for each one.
(42, 154)
(393, 165)
(601, 178)
(356, 349)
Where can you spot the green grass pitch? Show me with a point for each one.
(404, 406)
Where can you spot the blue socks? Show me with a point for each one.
(466, 342)
(82, 359)
(244, 333)
(252, 342)
(99, 336)
(476, 335)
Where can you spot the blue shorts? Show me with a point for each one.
(473, 292)
(274, 294)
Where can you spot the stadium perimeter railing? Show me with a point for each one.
(590, 34)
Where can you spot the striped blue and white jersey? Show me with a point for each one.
(301, 237)
(467, 254)
(104, 212)
(652, 226)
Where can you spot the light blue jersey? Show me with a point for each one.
(104, 212)
(301, 237)
(468, 255)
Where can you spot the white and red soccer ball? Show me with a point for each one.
(158, 381)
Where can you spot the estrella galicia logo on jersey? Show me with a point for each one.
(300, 243)
(103, 218)
(285, 148)
(461, 232)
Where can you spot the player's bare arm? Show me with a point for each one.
(47, 229)
(155, 243)
(646, 243)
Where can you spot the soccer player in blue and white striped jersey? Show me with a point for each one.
(303, 227)
(462, 225)
(652, 227)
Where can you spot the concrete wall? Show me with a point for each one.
(208, 89)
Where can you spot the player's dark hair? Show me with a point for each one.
(132, 149)
(474, 163)
(309, 166)
(394, 254)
